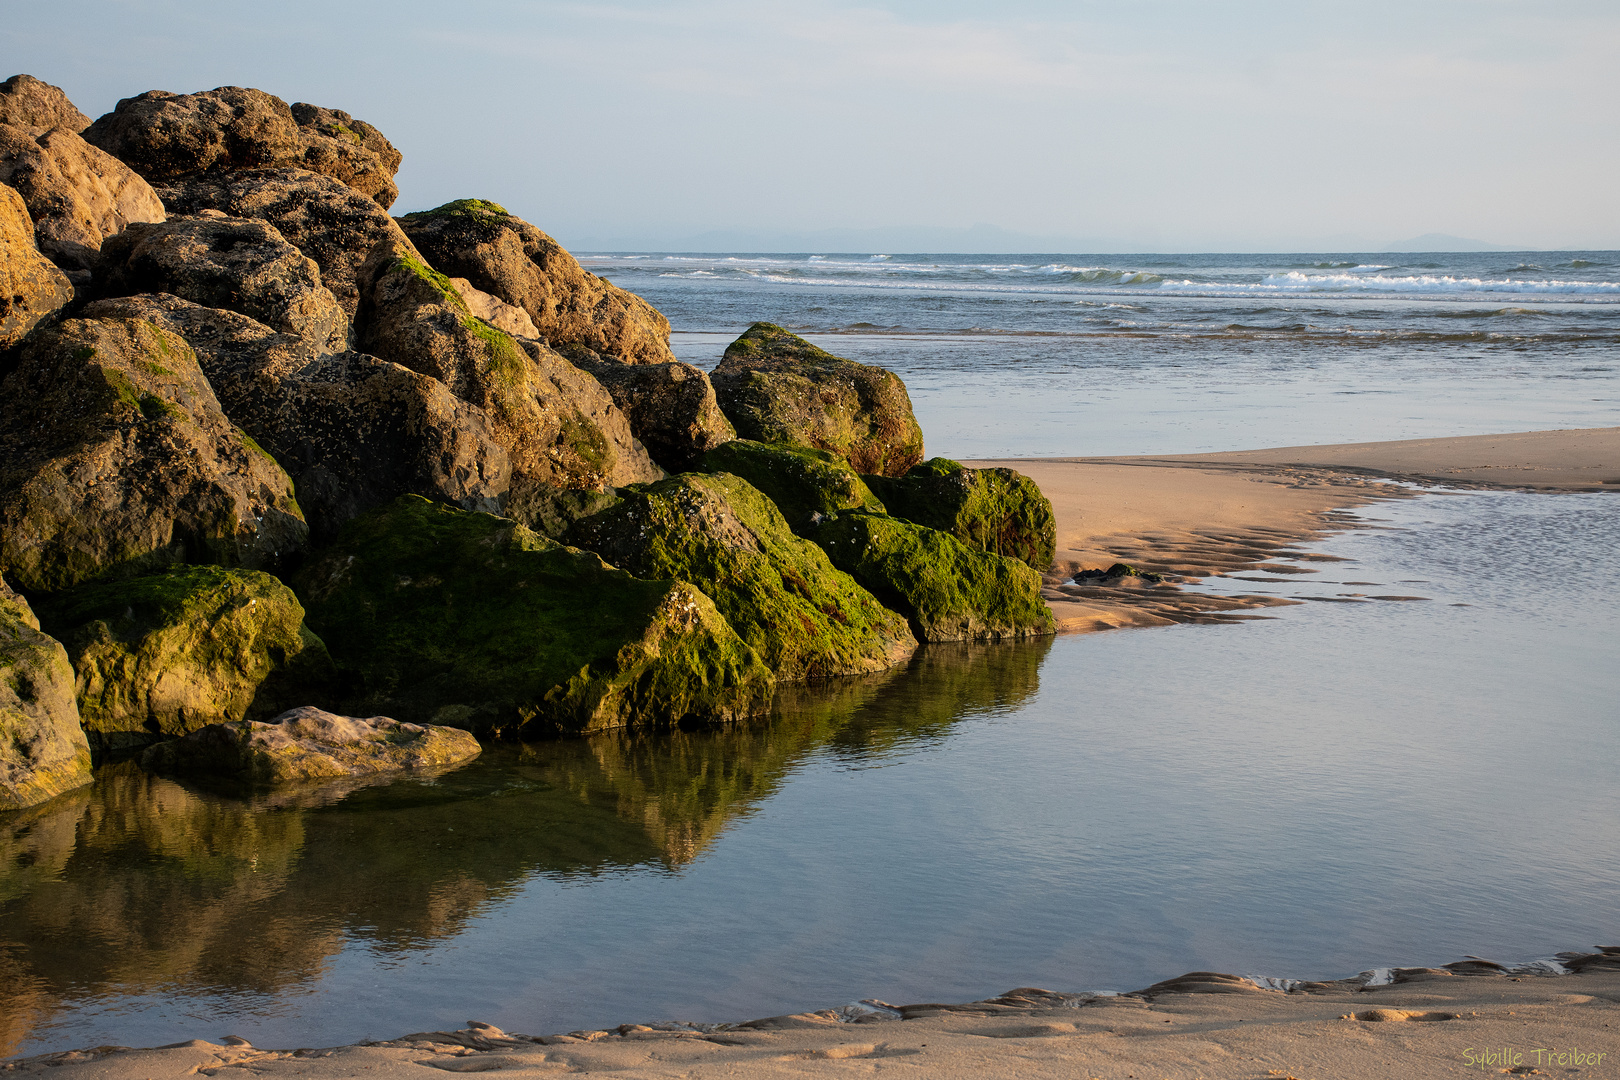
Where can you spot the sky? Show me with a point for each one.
(1019, 125)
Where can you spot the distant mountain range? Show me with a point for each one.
(1445, 242)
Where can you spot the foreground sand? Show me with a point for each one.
(1193, 516)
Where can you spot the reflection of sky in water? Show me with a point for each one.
(1343, 786)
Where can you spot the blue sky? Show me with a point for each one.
(1129, 126)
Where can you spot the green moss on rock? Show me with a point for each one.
(165, 654)
(803, 482)
(43, 751)
(998, 510)
(778, 591)
(450, 617)
(949, 591)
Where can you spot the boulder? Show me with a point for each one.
(353, 432)
(77, 195)
(325, 219)
(165, 654)
(449, 617)
(37, 107)
(115, 458)
(43, 751)
(495, 311)
(671, 409)
(309, 744)
(997, 510)
(804, 484)
(778, 591)
(559, 426)
(32, 289)
(239, 264)
(949, 591)
(164, 136)
(777, 387)
(573, 309)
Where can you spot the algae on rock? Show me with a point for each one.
(778, 591)
(998, 510)
(949, 591)
(163, 655)
(451, 617)
(43, 751)
(803, 482)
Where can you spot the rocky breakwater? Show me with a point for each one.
(268, 448)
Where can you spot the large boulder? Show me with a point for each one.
(165, 136)
(998, 510)
(239, 264)
(43, 751)
(32, 289)
(27, 102)
(573, 309)
(777, 387)
(450, 617)
(115, 458)
(309, 744)
(165, 654)
(77, 195)
(559, 425)
(949, 591)
(805, 484)
(353, 432)
(671, 409)
(778, 591)
(324, 218)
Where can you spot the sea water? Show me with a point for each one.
(1352, 783)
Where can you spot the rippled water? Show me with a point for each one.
(1351, 784)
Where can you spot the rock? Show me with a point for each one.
(1116, 572)
(116, 459)
(325, 219)
(31, 288)
(495, 311)
(165, 654)
(239, 264)
(308, 744)
(476, 621)
(352, 431)
(777, 387)
(43, 751)
(671, 409)
(949, 591)
(559, 426)
(164, 136)
(804, 484)
(76, 194)
(998, 510)
(778, 591)
(37, 107)
(572, 308)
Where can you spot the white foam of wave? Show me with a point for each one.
(1432, 284)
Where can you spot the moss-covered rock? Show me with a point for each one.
(777, 387)
(165, 654)
(949, 591)
(43, 751)
(778, 591)
(998, 510)
(451, 617)
(671, 409)
(804, 483)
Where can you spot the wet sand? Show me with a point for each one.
(1189, 517)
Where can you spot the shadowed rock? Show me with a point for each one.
(671, 409)
(573, 309)
(777, 387)
(805, 484)
(32, 289)
(239, 264)
(43, 751)
(162, 655)
(309, 744)
(116, 458)
(164, 136)
(996, 510)
(37, 106)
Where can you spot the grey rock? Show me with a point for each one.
(671, 409)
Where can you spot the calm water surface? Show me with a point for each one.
(1350, 784)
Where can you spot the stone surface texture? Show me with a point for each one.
(115, 458)
(32, 288)
(309, 744)
(805, 484)
(777, 387)
(43, 751)
(572, 308)
(997, 510)
(671, 409)
(37, 106)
